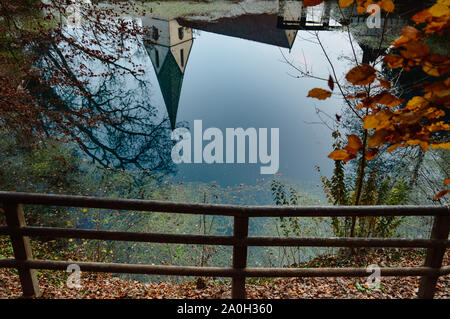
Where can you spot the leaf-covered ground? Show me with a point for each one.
(97, 286)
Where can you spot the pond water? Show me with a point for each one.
(229, 66)
(233, 72)
(230, 83)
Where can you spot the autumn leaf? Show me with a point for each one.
(410, 32)
(361, 75)
(345, 3)
(371, 153)
(320, 94)
(423, 144)
(311, 3)
(387, 5)
(378, 121)
(439, 10)
(441, 194)
(414, 50)
(378, 138)
(338, 155)
(331, 83)
(417, 102)
(421, 16)
(384, 83)
(445, 146)
(393, 61)
(447, 181)
(354, 144)
(383, 98)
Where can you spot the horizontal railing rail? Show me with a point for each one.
(19, 233)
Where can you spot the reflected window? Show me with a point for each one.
(182, 57)
(155, 33)
(157, 58)
(181, 33)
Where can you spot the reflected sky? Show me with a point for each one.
(231, 82)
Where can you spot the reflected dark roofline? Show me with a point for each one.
(260, 28)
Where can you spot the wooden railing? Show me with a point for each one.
(19, 233)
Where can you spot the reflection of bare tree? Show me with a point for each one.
(122, 128)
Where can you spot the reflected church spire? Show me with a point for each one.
(169, 45)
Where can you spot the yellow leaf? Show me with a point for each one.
(424, 145)
(320, 94)
(378, 121)
(417, 102)
(439, 10)
(430, 69)
(445, 146)
(370, 122)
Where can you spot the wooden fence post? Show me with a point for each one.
(239, 256)
(22, 249)
(440, 230)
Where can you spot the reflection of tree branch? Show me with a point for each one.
(336, 78)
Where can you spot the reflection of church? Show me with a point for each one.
(169, 46)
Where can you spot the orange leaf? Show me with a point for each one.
(361, 75)
(385, 98)
(311, 3)
(415, 50)
(378, 138)
(441, 194)
(345, 3)
(387, 5)
(320, 94)
(384, 83)
(371, 154)
(338, 155)
(410, 32)
(354, 144)
(447, 181)
(421, 16)
(393, 61)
